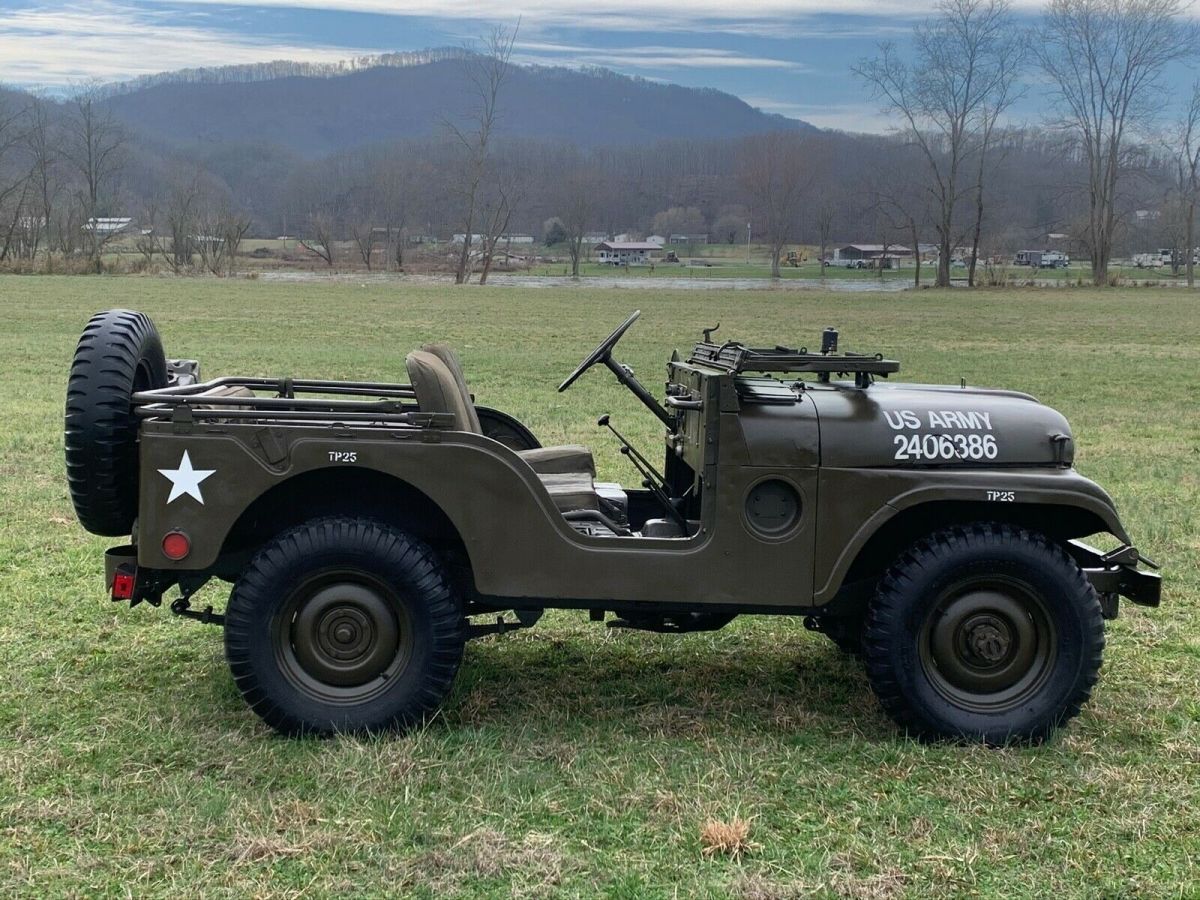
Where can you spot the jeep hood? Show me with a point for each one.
(916, 425)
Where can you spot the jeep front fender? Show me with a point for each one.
(906, 504)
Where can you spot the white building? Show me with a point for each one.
(504, 238)
(626, 253)
(107, 225)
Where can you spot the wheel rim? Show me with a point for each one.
(989, 644)
(343, 637)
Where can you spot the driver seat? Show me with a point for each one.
(438, 380)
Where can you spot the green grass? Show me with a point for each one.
(571, 760)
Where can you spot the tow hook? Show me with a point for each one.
(181, 607)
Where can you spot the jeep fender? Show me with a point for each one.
(1061, 502)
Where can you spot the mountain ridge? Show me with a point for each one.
(313, 112)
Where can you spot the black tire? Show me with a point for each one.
(506, 429)
(118, 354)
(984, 632)
(343, 625)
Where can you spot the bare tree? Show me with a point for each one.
(234, 226)
(1104, 61)
(14, 177)
(363, 233)
(772, 175)
(947, 98)
(1010, 60)
(486, 73)
(94, 144)
(177, 243)
(824, 213)
(319, 238)
(498, 202)
(42, 148)
(580, 191)
(147, 240)
(396, 189)
(221, 229)
(1185, 148)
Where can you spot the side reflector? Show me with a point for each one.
(176, 545)
(122, 586)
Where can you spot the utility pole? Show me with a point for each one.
(747, 243)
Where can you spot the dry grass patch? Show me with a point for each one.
(732, 838)
(533, 865)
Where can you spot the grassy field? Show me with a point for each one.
(571, 760)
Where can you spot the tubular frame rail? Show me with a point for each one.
(198, 401)
(736, 358)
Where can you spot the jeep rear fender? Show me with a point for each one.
(1061, 503)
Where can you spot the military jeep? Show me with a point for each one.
(369, 529)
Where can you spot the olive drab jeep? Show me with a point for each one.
(369, 529)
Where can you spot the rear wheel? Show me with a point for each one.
(344, 625)
(984, 632)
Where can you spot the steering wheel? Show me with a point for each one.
(601, 353)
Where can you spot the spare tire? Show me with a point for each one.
(118, 354)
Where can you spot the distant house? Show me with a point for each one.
(107, 225)
(877, 255)
(626, 253)
(688, 239)
(594, 237)
(504, 238)
(656, 239)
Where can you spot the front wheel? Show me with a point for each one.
(343, 625)
(984, 632)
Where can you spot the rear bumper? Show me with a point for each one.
(124, 580)
(1117, 574)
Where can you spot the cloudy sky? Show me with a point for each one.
(784, 56)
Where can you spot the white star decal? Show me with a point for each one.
(185, 479)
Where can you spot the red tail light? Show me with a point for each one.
(175, 546)
(122, 586)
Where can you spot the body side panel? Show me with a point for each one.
(517, 542)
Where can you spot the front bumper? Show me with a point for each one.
(1116, 573)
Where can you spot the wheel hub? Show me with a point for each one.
(345, 634)
(987, 638)
(987, 644)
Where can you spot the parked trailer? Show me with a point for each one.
(1042, 259)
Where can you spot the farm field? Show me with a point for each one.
(571, 760)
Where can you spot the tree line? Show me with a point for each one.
(955, 173)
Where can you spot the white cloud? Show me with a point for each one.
(585, 13)
(651, 57)
(108, 41)
(863, 117)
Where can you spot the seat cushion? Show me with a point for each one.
(560, 460)
(570, 491)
